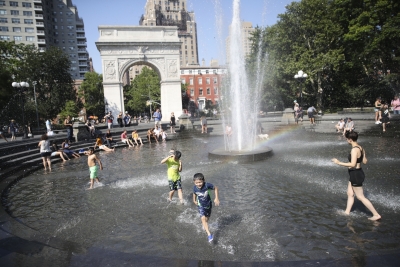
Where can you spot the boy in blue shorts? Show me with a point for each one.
(202, 198)
(174, 165)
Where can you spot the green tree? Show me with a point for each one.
(70, 109)
(91, 92)
(145, 87)
(50, 69)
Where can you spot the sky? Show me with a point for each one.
(211, 38)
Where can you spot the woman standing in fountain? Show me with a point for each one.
(45, 151)
(354, 188)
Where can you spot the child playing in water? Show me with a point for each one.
(174, 165)
(93, 168)
(202, 198)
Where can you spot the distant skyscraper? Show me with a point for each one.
(247, 30)
(173, 13)
(46, 23)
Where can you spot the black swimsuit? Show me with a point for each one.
(357, 176)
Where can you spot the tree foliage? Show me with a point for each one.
(50, 70)
(349, 49)
(145, 87)
(91, 92)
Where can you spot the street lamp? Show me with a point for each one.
(20, 86)
(301, 76)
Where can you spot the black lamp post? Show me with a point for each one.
(301, 76)
(20, 86)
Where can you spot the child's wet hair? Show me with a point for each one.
(198, 176)
(177, 154)
(91, 149)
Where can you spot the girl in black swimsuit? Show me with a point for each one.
(354, 188)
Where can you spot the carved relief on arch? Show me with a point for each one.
(110, 72)
(159, 63)
(123, 62)
(172, 68)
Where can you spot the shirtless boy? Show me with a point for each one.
(93, 168)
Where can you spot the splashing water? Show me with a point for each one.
(242, 100)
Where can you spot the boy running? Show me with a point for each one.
(93, 168)
(202, 198)
(174, 165)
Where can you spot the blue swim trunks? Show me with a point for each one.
(205, 211)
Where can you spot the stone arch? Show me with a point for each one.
(158, 47)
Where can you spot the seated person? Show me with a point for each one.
(135, 137)
(109, 138)
(65, 146)
(163, 135)
(157, 132)
(58, 152)
(339, 126)
(124, 138)
(150, 134)
(90, 127)
(349, 127)
(99, 143)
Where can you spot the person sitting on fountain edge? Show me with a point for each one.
(202, 198)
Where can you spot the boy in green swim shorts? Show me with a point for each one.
(93, 168)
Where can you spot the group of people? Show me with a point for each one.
(344, 125)
(382, 111)
(49, 149)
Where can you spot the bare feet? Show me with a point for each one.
(375, 218)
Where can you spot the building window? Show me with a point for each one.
(200, 81)
(16, 29)
(15, 12)
(199, 72)
(30, 38)
(3, 29)
(208, 91)
(192, 92)
(2, 3)
(17, 38)
(3, 20)
(215, 71)
(208, 80)
(191, 81)
(13, 3)
(201, 91)
(215, 80)
(207, 72)
(215, 91)
(182, 71)
(27, 21)
(190, 71)
(183, 81)
(29, 29)
(24, 4)
(3, 12)
(27, 13)
(5, 37)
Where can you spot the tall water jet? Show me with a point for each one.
(241, 98)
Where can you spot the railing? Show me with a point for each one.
(40, 32)
(38, 15)
(41, 41)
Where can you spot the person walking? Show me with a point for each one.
(354, 188)
(119, 120)
(310, 112)
(174, 165)
(157, 118)
(68, 125)
(109, 120)
(378, 106)
(395, 104)
(202, 198)
(93, 168)
(12, 128)
(384, 116)
(45, 151)
(172, 123)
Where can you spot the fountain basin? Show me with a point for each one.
(260, 153)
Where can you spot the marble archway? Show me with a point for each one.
(123, 46)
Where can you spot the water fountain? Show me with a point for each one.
(284, 211)
(241, 101)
